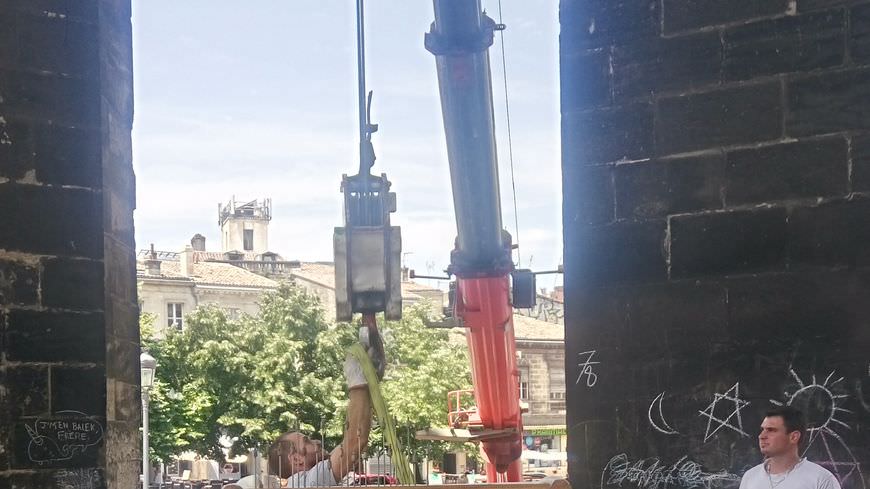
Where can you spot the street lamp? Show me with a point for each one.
(147, 365)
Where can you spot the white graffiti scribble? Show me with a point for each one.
(546, 310)
(821, 403)
(62, 438)
(732, 395)
(660, 425)
(651, 473)
(78, 479)
(586, 369)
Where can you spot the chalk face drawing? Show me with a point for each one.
(651, 473)
(821, 404)
(657, 418)
(62, 438)
(585, 367)
(730, 400)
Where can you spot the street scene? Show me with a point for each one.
(550, 244)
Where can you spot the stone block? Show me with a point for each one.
(67, 156)
(859, 35)
(50, 220)
(16, 150)
(65, 101)
(774, 312)
(679, 15)
(80, 10)
(834, 234)
(19, 284)
(829, 102)
(860, 154)
(664, 64)
(585, 80)
(719, 118)
(812, 168)
(606, 135)
(728, 243)
(122, 360)
(8, 39)
(623, 252)
(27, 390)
(49, 43)
(669, 186)
(73, 284)
(121, 283)
(785, 45)
(78, 389)
(598, 23)
(34, 336)
(591, 202)
(809, 5)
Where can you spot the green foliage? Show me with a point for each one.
(252, 378)
(423, 365)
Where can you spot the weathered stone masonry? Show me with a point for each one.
(716, 172)
(69, 398)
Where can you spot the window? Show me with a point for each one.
(248, 243)
(557, 388)
(174, 315)
(524, 383)
(557, 401)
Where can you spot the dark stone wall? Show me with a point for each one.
(716, 180)
(69, 396)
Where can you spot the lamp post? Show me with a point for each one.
(147, 365)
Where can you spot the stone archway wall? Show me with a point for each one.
(716, 170)
(69, 395)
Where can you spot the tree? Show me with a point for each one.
(252, 378)
(248, 379)
(423, 365)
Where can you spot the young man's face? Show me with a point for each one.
(303, 455)
(774, 439)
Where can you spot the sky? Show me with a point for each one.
(258, 99)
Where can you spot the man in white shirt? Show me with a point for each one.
(782, 432)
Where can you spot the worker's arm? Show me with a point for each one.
(346, 456)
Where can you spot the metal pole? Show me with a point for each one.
(145, 465)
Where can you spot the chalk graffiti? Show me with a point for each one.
(817, 401)
(660, 424)
(586, 369)
(820, 403)
(4, 136)
(651, 473)
(732, 395)
(546, 310)
(859, 393)
(78, 479)
(62, 438)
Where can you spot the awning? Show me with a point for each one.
(533, 455)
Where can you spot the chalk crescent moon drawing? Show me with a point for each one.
(661, 426)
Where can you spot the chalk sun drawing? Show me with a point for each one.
(659, 424)
(821, 403)
(586, 369)
(731, 398)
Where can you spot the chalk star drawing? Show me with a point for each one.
(820, 403)
(660, 424)
(732, 395)
(586, 369)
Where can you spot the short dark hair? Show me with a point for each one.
(792, 418)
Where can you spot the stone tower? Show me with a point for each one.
(245, 225)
